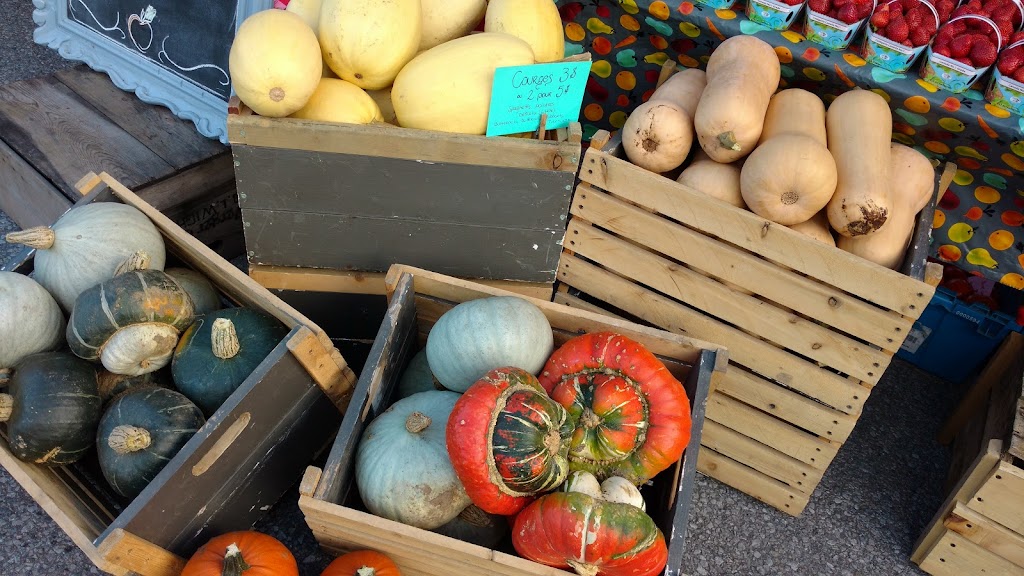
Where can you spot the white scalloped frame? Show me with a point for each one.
(131, 72)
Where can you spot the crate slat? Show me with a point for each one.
(751, 314)
(752, 482)
(744, 349)
(954, 555)
(986, 533)
(768, 461)
(1001, 497)
(736, 266)
(843, 270)
(770, 431)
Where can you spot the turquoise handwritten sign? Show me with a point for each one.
(521, 94)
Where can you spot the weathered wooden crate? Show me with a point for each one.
(55, 128)
(360, 198)
(980, 527)
(329, 498)
(810, 328)
(239, 463)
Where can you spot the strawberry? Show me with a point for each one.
(897, 30)
(909, 4)
(820, 6)
(1017, 37)
(944, 50)
(1019, 75)
(880, 19)
(863, 10)
(945, 9)
(848, 14)
(960, 47)
(957, 28)
(983, 53)
(1005, 26)
(920, 36)
(913, 18)
(1010, 60)
(965, 60)
(841, 3)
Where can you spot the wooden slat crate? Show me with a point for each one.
(360, 198)
(329, 498)
(239, 463)
(980, 527)
(810, 328)
(55, 128)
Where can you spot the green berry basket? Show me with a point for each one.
(833, 33)
(1005, 92)
(950, 73)
(889, 54)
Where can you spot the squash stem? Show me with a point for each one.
(135, 261)
(417, 422)
(583, 569)
(5, 376)
(40, 237)
(224, 339)
(125, 439)
(234, 564)
(728, 140)
(6, 407)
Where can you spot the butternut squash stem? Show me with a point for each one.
(224, 339)
(135, 261)
(728, 140)
(125, 439)
(6, 407)
(39, 237)
(417, 422)
(234, 564)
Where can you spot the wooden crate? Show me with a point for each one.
(329, 499)
(54, 129)
(810, 328)
(239, 463)
(979, 529)
(360, 198)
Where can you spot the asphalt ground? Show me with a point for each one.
(870, 507)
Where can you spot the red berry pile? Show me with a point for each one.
(970, 41)
(793, 2)
(909, 22)
(1005, 13)
(1011, 60)
(848, 11)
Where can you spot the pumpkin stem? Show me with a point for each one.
(125, 439)
(366, 571)
(224, 339)
(417, 422)
(5, 376)
(475, 516)
(583, 569)
(39, 237)
(234, 564)
(728, 140)
(6, 407)
(135, 261)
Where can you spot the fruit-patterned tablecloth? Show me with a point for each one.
(979, 224)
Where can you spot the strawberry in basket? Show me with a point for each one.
(1007, 14)
(909, 22)
(969, 39)
(848, 11)
(1011, 60)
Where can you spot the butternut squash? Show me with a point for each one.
(683, 88)
(742, 74)
(448, 88)
(658, 135)
(535, 21)
(715, 179)
(445, 20)
(912, 185)
(859, 126)
(817, 227)
(275, 62)
(368, 43)
(795, 110)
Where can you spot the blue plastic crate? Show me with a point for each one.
(953, 339)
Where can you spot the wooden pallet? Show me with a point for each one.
(810, 328)
(979, 530)
(55, 129)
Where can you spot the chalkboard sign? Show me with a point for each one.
(169, 52)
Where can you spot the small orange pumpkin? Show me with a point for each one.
(244, 553)
(362, 563)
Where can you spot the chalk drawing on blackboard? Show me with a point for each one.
(144, 18)
(74, 13)
(162, 55)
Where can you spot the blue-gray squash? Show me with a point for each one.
(219, 351)
(478, 336)
(51, 408)
(417, 377)
(140, 432)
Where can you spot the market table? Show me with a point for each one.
(978, 223)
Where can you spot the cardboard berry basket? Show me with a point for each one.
(835, 24)
(885, 43)
(246, 455)
(1005, 90)
(774, 14)
(961, 68)
(329, 498)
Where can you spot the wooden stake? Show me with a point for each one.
(542, 129)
